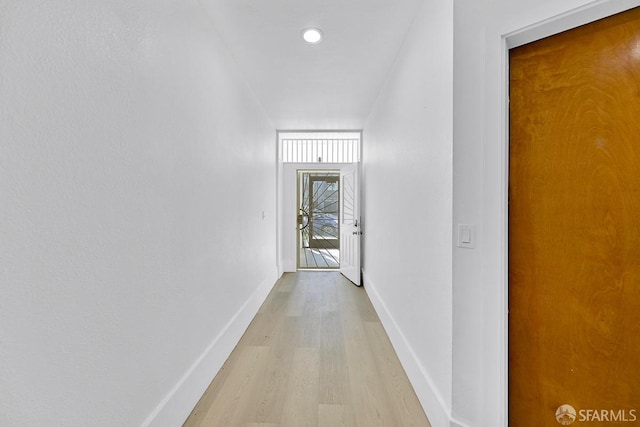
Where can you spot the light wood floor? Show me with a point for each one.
(314, 355)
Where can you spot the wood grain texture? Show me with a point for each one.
(314, 355)
(574, 218)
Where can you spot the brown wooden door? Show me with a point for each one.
(574, 226)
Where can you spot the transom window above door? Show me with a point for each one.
(309, 147)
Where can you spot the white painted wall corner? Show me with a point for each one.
(432, 402)
(174, 409)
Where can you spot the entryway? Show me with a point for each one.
(319, 220)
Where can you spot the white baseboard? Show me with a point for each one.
(174, 409)
(434, 406)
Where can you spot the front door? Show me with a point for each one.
(574, 227)
(350, 226)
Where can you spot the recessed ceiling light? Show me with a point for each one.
(312, 35)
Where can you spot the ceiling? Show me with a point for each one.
(330, 85)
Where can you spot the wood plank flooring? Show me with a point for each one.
(319, 258)
(315, 355)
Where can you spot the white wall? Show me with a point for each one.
(407, 206)
(444, 307)
(480, 184)
(134, 171)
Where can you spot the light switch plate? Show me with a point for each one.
(466, 236)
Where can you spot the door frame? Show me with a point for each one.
(530, 33)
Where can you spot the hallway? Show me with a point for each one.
(143, 221)
(316, 354)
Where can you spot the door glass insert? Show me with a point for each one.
(318, 219)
